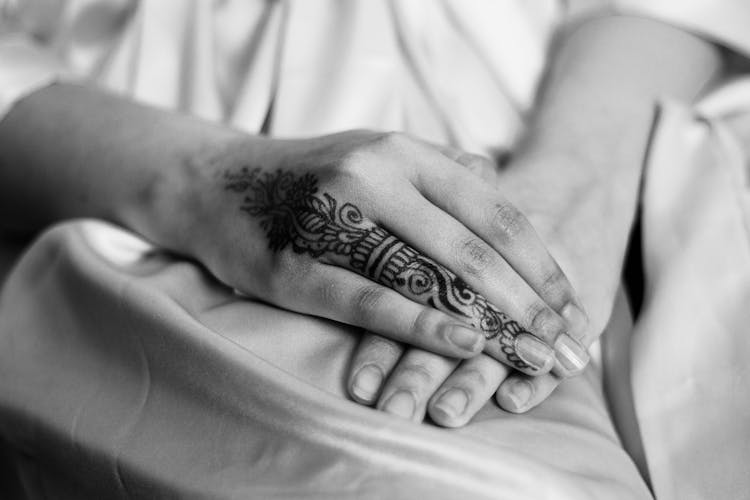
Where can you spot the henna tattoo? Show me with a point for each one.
(293, 213)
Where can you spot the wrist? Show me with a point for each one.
(175, 207)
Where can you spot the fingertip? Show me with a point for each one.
(467, 341)
(439, 417)
(571, 356)
(449, 408)
(365, 384)
(538, 357)
(515, 395)
(402, 403)
(576, 317)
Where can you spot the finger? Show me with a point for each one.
(519, 393)
(372, 363)
(341, 295)
(479, 165)
(367, 248)
(295, 215)
(486, 169)
(466, 391)
(483, 210)
(488, 213)
(509, 314)
(414, 379)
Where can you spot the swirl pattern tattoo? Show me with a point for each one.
(293, 214)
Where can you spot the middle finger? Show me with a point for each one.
(512, 315)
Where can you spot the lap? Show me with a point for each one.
(153, 379)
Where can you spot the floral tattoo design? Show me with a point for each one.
(294, 214)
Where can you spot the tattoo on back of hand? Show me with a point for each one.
(293, 214)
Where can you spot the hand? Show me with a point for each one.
(586, 228)
(383, 232)
(410, 382)
(577, 182)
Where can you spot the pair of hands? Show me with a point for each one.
(415, 244)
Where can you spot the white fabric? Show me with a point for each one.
(127, 373)
(327, 65)
(725, 21)
(691, 348)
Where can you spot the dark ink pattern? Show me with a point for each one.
(293, 213)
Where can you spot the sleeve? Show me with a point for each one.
(724, 21)
(27, 63)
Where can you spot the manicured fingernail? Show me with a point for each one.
(570, 353)
(534, 352)
(401, 404)
(453, 403)
(367, 382)
(520, 393)
(466, 338)
(575, 317)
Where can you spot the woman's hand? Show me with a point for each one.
(376, 230)
(410, 382)
(576, 177)
(384, 232)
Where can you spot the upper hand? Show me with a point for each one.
(383, 232)
(410, 382)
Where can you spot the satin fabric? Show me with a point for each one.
(694, 409)
(127, 374)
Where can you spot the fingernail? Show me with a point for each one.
(401, 404)
(534, 352)
(570, 353)
(575, 317)
(453, 403)
(520, 393)
(367, 382)
(466, 338)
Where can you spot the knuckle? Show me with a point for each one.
(474, 256)
(392, 141)
(353, 164)
(473, 162)
(535, 314)
(554, 287)
(369, 155)
(507, 221)
(330, 293)
(422, 326)
(381, 348)
(416, 375)
(419, 281)
(367, 302)
(474, 378)
(543, 322)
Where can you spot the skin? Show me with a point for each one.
(169, 178)
(162, 175)
(576, 176)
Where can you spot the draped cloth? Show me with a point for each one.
(127, 373)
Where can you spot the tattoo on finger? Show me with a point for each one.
(292, 213)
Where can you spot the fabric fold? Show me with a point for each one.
(123, 370)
